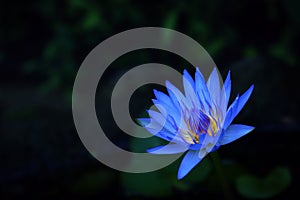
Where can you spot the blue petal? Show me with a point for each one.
(202, 90)
(176, 95)
(168, 149)
(195, 146)
(215, 148)
(152, 126)
(167, 110)
(189, 89)
(188, 77)
(190, 160)
(159, 130)
(227, 88)
(217, 145)
(143, 121)
(234, 132)
(230, 115)
(244, 98)
(174, 99)
(213, 85)
(236, 107)
(166, 99)
(165, 135)
(166, 123)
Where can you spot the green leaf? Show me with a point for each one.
(255, 187)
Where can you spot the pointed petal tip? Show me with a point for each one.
(250, 90)
(137, 120)
(180, 176)
(156, 93)
(168, 83)
(245, 128)
(229, 74)
(149, 112)
(185, 74)
(151, 150)
(148, 150)
(189, 161)
(198, 70)
(214, 70)
(142, 121)
(182, 173)
(234, 132)
(251, 128)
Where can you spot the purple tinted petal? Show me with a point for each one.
(202, 91)
(189, 89)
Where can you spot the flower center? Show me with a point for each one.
(198, 123)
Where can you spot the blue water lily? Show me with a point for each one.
(197, 121)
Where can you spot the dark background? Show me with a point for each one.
(42, 44)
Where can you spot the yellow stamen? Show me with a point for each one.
(213, 129)
(191, 134)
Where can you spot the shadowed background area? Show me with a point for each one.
(42, 44)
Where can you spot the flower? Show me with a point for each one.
(198, 121)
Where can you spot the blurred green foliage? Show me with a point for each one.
(93, 182)
(42, 44)
(273, 184)
(208, 174)
(161, 183)
(58, 34)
